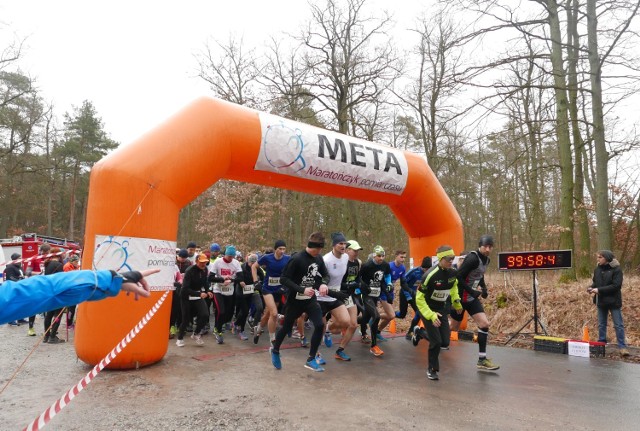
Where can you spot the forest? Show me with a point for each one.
(521, 109)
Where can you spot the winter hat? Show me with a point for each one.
(607, 254)
(183, 253)
(378, 250)
(337, 237)
(15, 256)
(230, 250)
(426, 262)
(191, 244)
(279, 243)
(214, 247)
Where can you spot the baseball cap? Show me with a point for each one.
(183, 253)
(191, 244)
(215, 247)
(15, 256)
(353, 245)
(378, 250)
(203, 258)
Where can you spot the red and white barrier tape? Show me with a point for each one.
(56, 407)
(42, 256)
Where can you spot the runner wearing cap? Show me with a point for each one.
(13, 272)
(246, 296)
(72, 265)
(195, 288)
(471, 286)
(350, 282)
(273, 264)
(432, 298)
(334, 304)
(225, 272)
(374, 276)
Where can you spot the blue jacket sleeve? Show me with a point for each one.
(24, 298)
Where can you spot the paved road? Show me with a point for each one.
(236, 384)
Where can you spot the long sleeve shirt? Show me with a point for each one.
(35, 295)
(431, 297)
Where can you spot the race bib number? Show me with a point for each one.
(247, 289)
(226, 290)
(375, 291)
(274, 281)
(349, 302)
(440, 295)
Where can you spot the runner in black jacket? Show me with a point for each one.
(306, 276)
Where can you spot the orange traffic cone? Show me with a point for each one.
(463, 322)
(392, 326)
(453, 336)
(585, 333)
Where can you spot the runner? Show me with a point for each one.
(273, 264)
(195, 287)
(471, 285)
(432, 301)
(225, 272)
(306, 277)
(398, 271)
(408, 294)
(246, 297)
(336, 262)
(350, 282)
(372, 275)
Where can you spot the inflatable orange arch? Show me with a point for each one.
(139, 189)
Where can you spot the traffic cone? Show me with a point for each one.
(463, 322)
(453, 336)
(585, 333)
(392, 326)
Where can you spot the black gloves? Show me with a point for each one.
(338, 295)
(484, 293)
(131, 276)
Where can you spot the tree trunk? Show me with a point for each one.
(604, 239)
(562, 135)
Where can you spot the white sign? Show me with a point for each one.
(120, 254)
(300, 150)
(577, 348)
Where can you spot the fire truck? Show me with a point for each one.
(28, 244)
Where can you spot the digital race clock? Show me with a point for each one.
(533, 260)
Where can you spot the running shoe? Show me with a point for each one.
(365, 339)
(218, 335)
(199, 340)
(256, 334)
(180, 343)
(342, 356)
(415, 339)
(327, 339)
(22, 321)
(408, 335)
(444, 347)
(376, 351)
(432, 374)
(296, 334)
(55, 340)
(173, 330)
(313, 365)
(275, 359)
(320, 360)
(486, 364)
(379, 337)
(623, 352)
(243, 336)
(31, 332)
(14, 323)
(304, 342)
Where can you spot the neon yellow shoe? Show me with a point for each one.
(31, 332)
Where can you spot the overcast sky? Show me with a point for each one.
(134, 60)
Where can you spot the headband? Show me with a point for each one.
(445, 253)
(312, 244)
